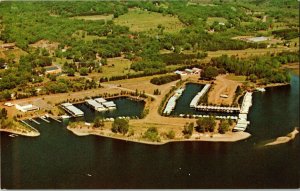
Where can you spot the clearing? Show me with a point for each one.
(138, 20)
(94, 17)
(222, 86)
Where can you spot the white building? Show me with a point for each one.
(26, 107)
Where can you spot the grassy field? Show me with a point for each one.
(95, 17)
(236, 78)
(115, 67)
(138, 20)
(211, 20)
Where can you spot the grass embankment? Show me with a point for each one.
(14, 127)
(138, 129)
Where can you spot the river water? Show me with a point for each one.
(59, 159)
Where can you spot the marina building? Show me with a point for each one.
(25, 107)
(74, 111)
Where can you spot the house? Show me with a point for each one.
(53, 70)
(26, 107)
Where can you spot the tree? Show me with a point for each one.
(188, 129)
(152, 134)
(83, 71)
(171, 134)
(3, 113)
(206, 124)
(209, 73)
(224, 126)
(98, 122)
(120, 126)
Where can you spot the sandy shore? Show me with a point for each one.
(228, 137)
(27, 134)
(284, 139)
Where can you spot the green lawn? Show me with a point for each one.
(138, 20)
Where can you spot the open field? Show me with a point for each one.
(236, 78)
(94, 17)
(222, 86)
(138, 21)
(15, 53)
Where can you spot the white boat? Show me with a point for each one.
(13, 135)
(65, 116)
(261, 89)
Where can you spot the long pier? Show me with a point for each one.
(197, 98)
(242, 122)
(218, 109)
(172, 101)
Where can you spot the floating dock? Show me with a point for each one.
(196, 99)
(218, 109)
(74, 111)
(172, 101)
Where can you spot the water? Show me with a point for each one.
(59, 159)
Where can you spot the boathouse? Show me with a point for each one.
(74, 111)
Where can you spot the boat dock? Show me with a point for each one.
(27, 124)
(172, 101)
(218, 109)
(74, 111)
(43, 118)
(196, 99)
(55, 119)
(200, 116)
(242, 122)
(95, 105)
(35, 121)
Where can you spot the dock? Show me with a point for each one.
(218, 109)
(35, 121)
(95, 105)
(197, 98)
(172, 101)
(44, 119)
(55, 119)
(74, 111)
(27, 124)
(242, 122)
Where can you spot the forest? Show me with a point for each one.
(85, 45)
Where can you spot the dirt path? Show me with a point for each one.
(222, 86)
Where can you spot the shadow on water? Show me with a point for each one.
(59, 159)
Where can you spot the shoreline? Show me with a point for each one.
(28, 134)
(229, 137)
(284, 139)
